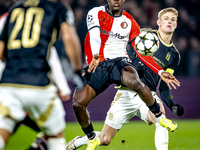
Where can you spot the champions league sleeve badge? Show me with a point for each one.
(90, 18)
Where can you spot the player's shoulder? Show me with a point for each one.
(129, 16)
(15, 5)
(4, 15)
(149, 30)
(52, 3)
(96, 9)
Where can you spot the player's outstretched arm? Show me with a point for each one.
(167, 97)
(169, 79)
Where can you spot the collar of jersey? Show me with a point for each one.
(160, 38)
(106, 8)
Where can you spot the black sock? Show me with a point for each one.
(89, 131)
(155, 108)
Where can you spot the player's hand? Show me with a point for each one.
(95, 62)
(177, 109)
(63, 97)
(169, 79)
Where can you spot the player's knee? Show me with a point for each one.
(77, 104)
(136, 85)
(105, 140)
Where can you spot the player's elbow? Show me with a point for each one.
(66, 32)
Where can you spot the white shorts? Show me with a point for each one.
(126, 105)
(42, 105)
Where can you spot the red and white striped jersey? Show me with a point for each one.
(109, 35)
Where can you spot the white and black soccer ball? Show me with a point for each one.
(147, 43)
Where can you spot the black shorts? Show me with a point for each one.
(106, 73)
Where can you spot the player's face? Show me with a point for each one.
(115, 6)
(168, 22)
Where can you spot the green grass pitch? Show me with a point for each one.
(136, 134)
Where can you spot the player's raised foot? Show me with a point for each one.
(70, 145)
(93, 144)
(168, 124)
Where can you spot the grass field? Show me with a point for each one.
(137, 136)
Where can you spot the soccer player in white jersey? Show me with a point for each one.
(110, 29)
(128, 104)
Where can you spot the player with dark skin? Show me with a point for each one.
(129, 78)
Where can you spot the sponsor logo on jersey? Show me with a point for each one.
(124, 25)
(110, 33)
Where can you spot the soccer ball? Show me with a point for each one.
(147, 43)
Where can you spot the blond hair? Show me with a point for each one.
(166, 10)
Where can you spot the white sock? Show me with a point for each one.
(161, 137)
(2, 143)
(84, 140)
(56, 144)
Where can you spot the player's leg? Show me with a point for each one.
(96, 83)
(40, 143)
(47, 111)
(54, 126)
(161, 133)
(131, 79)
(123, 107)
(81, 100)
(10, 114)
(6, 127)
(107, 135)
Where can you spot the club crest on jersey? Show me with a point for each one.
(124, 25)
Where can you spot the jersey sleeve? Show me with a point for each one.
(61, 14)
(135, 31)
(57, 73)
(92, 18)
(149, 61)
(94, 30)
(165, 94)
(70, 17)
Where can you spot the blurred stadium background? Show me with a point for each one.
(186, 38)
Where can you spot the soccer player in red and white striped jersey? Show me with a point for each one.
(110, 30)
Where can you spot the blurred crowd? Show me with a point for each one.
(186, 37)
